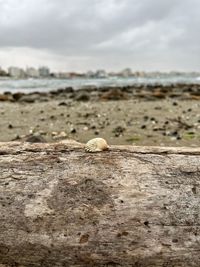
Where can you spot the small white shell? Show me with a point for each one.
(96, 145)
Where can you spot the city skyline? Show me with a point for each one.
(79, 35)
(46, 72)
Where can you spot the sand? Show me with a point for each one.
(166, 122)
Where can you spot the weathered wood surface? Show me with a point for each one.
(130, 206)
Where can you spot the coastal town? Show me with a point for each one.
(45, 72)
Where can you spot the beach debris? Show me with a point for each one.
(59, 135)
(82, 97)
(85, 128)
(143, 126)
(158, 94)
(146, 118)
(189, 135)
(118, 130)
(181, 124)
(5, 97)
(31, 131)
(17, 96)
(52, 117)
(72, 130)
(66, 103)
(35, 138)
(153, 120)
(28, 98)
(17, 137)
(158, 108)
(96, 145)
(54, 133)
(87, 114)
(134, 138)
(114, 94)
(63, 103)
(175, 103)
(96, 132)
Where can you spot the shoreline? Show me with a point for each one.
(150, 92)
(150, 115)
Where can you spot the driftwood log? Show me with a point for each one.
(130, 206)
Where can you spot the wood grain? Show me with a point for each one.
(130, 206)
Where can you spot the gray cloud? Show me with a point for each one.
(146, 34)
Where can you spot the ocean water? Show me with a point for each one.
(45, 85)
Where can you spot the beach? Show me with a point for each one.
(134, 115)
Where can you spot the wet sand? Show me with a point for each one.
(162, 122)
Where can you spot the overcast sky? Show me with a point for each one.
(93, 34)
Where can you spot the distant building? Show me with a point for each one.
(3, 72)
(32, 72)
(16, 72)
(90, 74)
(44, 72)
(126, 73)
(101, 74)
(112, 74)
(141, 74)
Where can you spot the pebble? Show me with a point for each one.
(35, 138)
(118, 130)
(59, 135)
(72, 130)
(62, 104)
(175, 104)
(82, 97)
